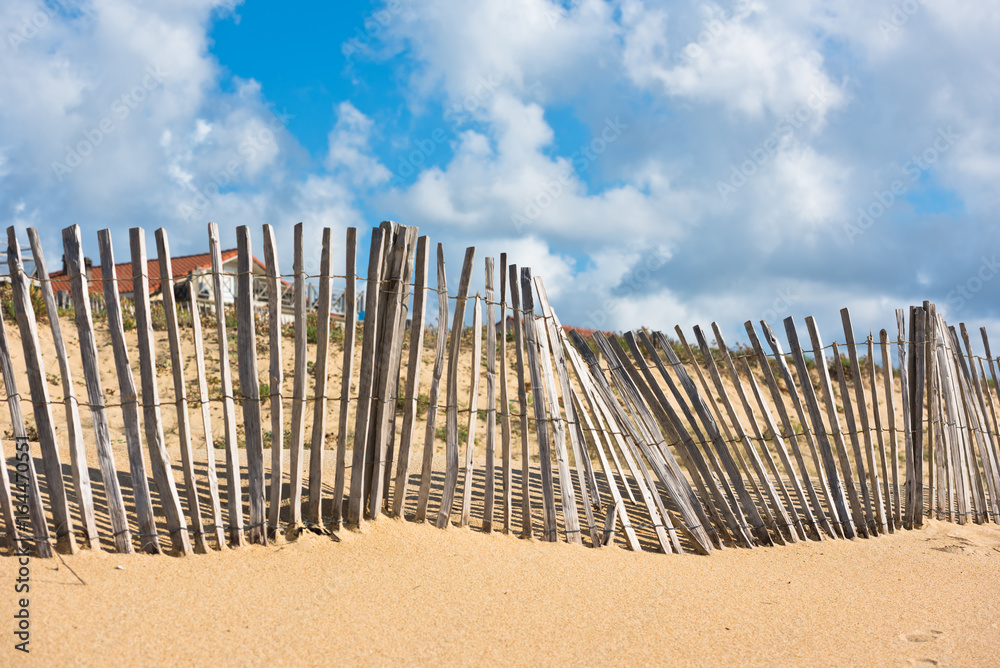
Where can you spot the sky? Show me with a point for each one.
(657, 163)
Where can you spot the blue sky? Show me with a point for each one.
(659, 163)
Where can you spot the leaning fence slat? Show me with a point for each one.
(276, 374)
(491, 400)
(890, 410)
(527, 524)
(506, 493)
(347, 371)
(246, 342)
(148, 540)
(470, 446)
(206, 422)
(299, 381)
(25, 475)
(74, 431)
(317, 443)
(417, 326)
(39, 389)
(233, 475)
(180, 389)
(826, 387)
(451, 415)
(366, 381)
(859, 457)
(435, 389)
(886, 504)
(151, 417)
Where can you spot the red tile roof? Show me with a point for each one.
(180, 266)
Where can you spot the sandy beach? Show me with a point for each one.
(401, 592)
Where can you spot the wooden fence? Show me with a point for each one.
(639, 440)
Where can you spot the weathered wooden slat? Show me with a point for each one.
(907, 406)
(566, 488)
(435, 389)
(660, 519)
(206, 421)
(366, 381)
(317, 442)
(791, 529)
(780, 523)
(549, 521)
(874, 493)
(413, 368)
(491, 399)
(617, 507)
(180, 390)
(886, 503)
(749, 511)
(451, 416)
(527, 524)
(954, 404)
(584, 473)
(233, 476)
(470, 446)
(840, 515)
(864, 495)
(25, 476)
(388, 362)
(78, 457)
(976, 416)
(996, 391)
(148, 540)
(890, 411)
(41, 405)
(275, 376)
(918, 369)
(656, 404)
(347, 372)
(815, 516)
(246, 347)
(506, 487)
(938, 478)
(826, 388)
(151, 418)
(300, 381)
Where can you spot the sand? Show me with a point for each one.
(401, 592)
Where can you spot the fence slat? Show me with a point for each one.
(246, 342)
(180, 388)
(890, 403)
(42, 406)
(506, 487)
(78, 457)
(206, 423)
(317, 443)
(151, 418)
(276, 375)
(148, 539)
(413, 368)
(477, 345)
(366, 380)
(527, 524)
(433, 399)
(347, 372)
(491, 399)
(25, 474)
(886, 504)
(233, 475)
(299, 382)
(451, 408)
